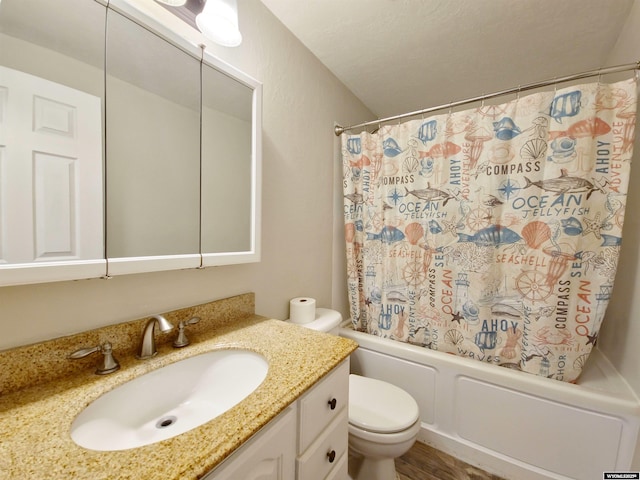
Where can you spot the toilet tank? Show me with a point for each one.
(326, 320)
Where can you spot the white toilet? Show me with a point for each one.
(384, 420)
(383, 424)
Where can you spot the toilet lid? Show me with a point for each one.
(378, 406)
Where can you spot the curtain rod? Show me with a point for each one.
(338, 130)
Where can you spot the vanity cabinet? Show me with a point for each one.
(268, 455)
(309, 440)
(323, 427)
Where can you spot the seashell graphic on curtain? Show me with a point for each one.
(492, 233)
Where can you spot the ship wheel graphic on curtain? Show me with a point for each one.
(533, 286)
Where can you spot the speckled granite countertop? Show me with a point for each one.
(35, 421)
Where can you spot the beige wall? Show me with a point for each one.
(137, 212)
(620, 334)
(226, 182)
(301, 102)
(36, 60)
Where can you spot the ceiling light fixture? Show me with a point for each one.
(219, 22)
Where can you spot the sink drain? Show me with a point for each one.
(165, 422)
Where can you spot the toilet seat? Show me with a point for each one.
(380, 407)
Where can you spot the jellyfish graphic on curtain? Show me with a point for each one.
(492, 233)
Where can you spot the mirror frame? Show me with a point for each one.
(150, 16)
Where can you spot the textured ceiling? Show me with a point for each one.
(404, 55)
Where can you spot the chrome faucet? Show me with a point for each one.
(148, 341)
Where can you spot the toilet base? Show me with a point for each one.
(361, 468)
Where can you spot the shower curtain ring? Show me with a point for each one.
(376, 130)
(518, 93)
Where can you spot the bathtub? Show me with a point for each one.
(513, 424)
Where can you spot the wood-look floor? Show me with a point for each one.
(423, 462)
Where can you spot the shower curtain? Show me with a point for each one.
(492, 233)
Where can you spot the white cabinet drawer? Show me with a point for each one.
(327, 451)
(341, 470)
(322, 404)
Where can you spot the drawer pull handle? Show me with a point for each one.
(332, 403)
(331, 455)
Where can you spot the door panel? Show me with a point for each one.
(51, 195)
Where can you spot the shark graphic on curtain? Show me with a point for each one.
(492, 233)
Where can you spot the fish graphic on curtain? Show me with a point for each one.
(492, 233)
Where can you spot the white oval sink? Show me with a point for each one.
(169, 401)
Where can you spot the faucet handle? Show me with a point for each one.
(182, 340)
(108, 364)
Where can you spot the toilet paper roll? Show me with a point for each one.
(302, 310)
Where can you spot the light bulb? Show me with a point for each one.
(219, 22)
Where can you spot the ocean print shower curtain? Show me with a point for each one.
(492, 233)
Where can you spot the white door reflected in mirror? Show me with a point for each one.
(51, 171)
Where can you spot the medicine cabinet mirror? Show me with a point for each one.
(161, 172)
